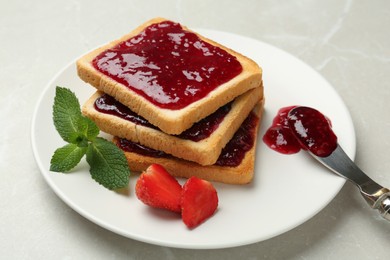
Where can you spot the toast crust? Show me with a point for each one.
(171, 121)
(204, 152)
(242, 174)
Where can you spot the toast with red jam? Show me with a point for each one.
(201, 143)
(235, 164)
(168, 74)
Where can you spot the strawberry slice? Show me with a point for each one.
(198, 202)
(157, 188)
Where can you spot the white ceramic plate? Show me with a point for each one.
(287, 189)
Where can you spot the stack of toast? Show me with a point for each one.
(171, 96)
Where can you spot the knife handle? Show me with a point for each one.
(383, 205)
(379, 200)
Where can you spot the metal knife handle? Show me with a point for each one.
(384, 208)
(380, 201)
(375, 195)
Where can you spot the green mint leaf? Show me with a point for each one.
(88, 128)
(67, 114)
(67, 157)
(87, 131)
(108, 164)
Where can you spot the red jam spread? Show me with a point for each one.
(295, 128)
(313, 130)
(243, 140)
(108, 105)
(231, 156)
(205, 127)
(199, 131)
(167, 65)
(130, 146)
(279, 137)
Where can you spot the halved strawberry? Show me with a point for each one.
(198, 202)
(157, 188)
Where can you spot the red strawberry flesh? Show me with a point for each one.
(157, 188)
(199, 201)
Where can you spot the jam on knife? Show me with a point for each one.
(299, 127)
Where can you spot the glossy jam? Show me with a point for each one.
(168, 66)
(130, 146)
(231, 155)
(108, 105)
(243, 140)
(313, 130)
(295, 128)
(205, 127)
(199, 131)
(279, 136)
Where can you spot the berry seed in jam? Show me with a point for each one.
(296, 127)
(168, 65)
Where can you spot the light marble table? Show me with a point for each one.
(344, 40)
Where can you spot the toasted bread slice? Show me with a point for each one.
(171, 121)
(203, 151)
(240, 174)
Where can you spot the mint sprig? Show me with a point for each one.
(108, 164)
(67, 157)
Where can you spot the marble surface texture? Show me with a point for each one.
(346, 41)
